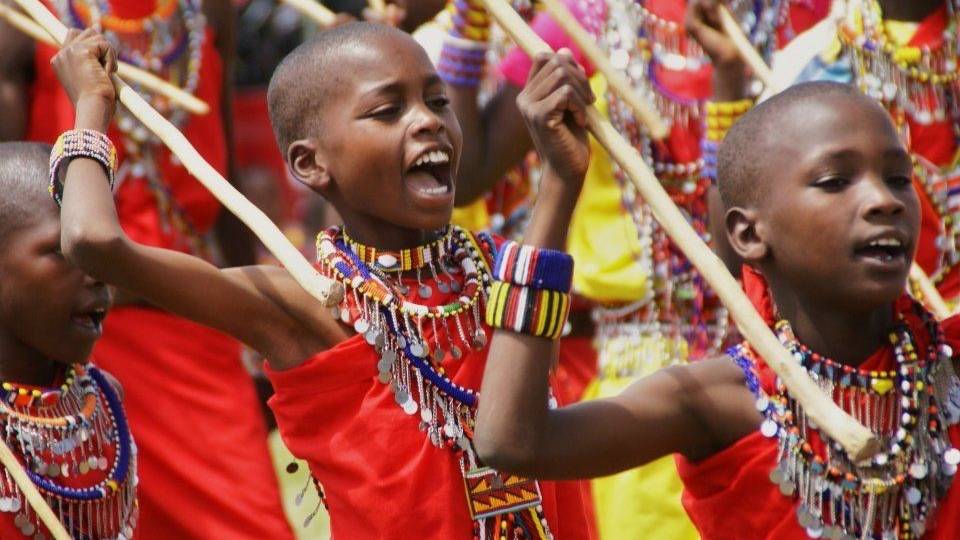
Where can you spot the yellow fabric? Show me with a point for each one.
(642, 502)
(290, 487)
(473, 217)
(900, 32)
(603, 238)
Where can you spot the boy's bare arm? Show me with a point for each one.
(692, 410)
(259, 306)
(16, 60)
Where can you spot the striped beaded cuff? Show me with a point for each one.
(540, 313)
(462, 62)
(76, 143)
(527, 266)
(708, 152)
(723, 114)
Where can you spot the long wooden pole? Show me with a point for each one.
(934, 300)
(314, 10)
(324, 289)
(857, 440)
(615, 77)
(148, 81)
(30, 492)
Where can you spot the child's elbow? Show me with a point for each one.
(504, 453)
(86, 247)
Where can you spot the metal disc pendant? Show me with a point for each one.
(372, 336)
(443, 287)
(361, 326)
(425, 291)
(416, 349)
(769, 428)
(455, 352)
(384, 377)
(404, 290)
(410, 407)
(437, 354)
(401, 397)
(815, 531)
(776, 476)
(426, 415)
(450, 430)
(787, 488)
(455, 286)
(384, 365)
(479, 339)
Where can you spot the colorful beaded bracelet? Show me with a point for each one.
(528, 266)
(540, 313)
(85, 143)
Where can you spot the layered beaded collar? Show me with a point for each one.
(65, 434)
(414, 341)
(909, 405)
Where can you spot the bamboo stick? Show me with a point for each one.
(934, 300)
(615, 77)
(30, 492)
(177, 96)
(314, 10)
(857, 440)
(324, 289)
(746, 49)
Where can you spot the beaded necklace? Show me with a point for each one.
(919, 82)
(64, 433)
(910, 408)
(168, 43)
(378, 308)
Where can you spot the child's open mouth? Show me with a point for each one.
(430, 175)
(885, 251)
(91, 321)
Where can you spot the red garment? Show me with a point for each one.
(205, 467)
(576, 368)
(382, 476)
(730, 496)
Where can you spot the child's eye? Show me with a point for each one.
(385, 111)
(900, 181)
(832, 183)
(439, 102)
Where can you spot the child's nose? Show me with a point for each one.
(425, 120)
(882, 201)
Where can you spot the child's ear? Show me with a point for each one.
(744, 235)
(308, 165)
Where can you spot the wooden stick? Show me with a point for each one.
(324, 289)
(746, 49)
(615, 77)
(177, 96)
(857, 440)
(313, 10)
(34, 499)
(378, 6)
(934, 300)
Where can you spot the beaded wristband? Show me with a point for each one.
(528, 266)
(708, 152)
(85, 143)
(540, 313)
(464, 53)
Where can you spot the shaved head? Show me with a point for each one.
(747, 161)
(24, 169)
(303, 84)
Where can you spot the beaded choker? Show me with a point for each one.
(909, 408)
(65, 435)
(413, 339)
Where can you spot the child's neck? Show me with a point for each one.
(844, 336)
(388, 237)
(22, 364)
(913, 11)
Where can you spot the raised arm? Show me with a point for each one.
(16, 66)
(662, 414)
(260, 306)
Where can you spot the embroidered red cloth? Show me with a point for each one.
(730, 496)
(382, 476)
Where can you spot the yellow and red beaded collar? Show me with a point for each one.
(404, 259)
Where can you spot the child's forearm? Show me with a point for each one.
(513, 414)
(89, 223)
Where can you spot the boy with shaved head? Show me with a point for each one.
(820, 204)
(51, 396)
(378, 395)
